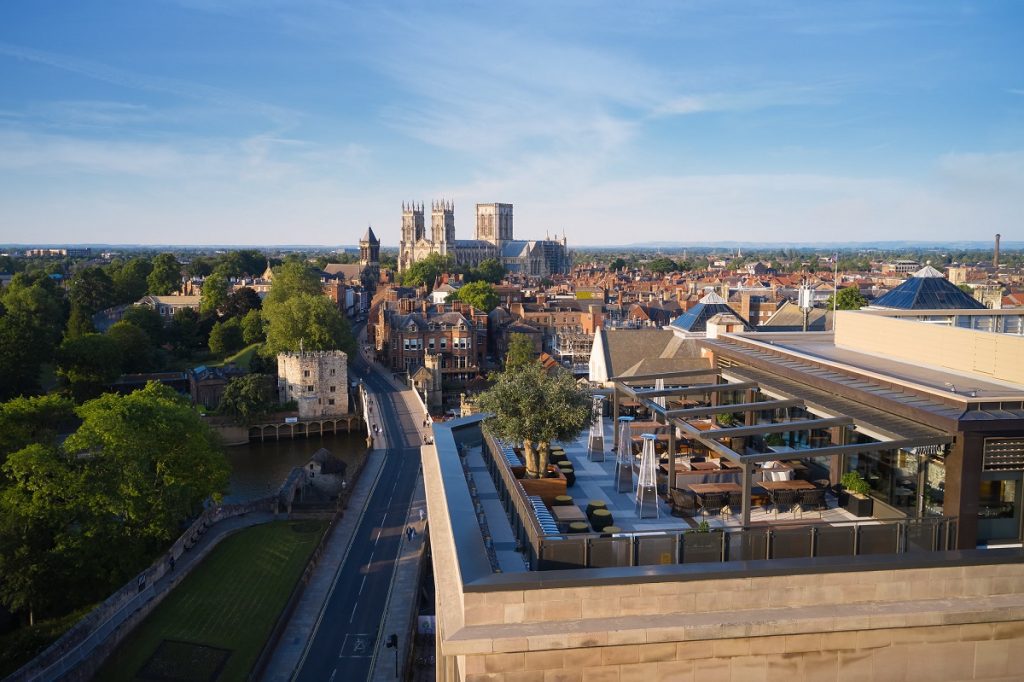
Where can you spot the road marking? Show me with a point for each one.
(333, 673)
(353, 614)
(364, 582)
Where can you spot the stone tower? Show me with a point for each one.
(316, 380)
(369, 254)
(442, 225)
(412, 231)
(494, 223)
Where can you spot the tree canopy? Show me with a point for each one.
(311, 319)
(247, 397)
(520, 352)
(478, 294)
(490, 270)
(293, 278)
(849, 298)
(32, 316)
(426, 270)
(536, 407)
(226, 337)
(662, 266)
(215, 292)
(88, 363)
(165, 277)
(131, 474)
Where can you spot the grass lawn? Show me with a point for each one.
(227, 606)
(241, 359)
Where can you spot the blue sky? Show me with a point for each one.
(302, 121)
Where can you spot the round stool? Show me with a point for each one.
(601, 519)
(578, 527)
(610, 531)
(563, 501)
(595, 504)
(570, 476)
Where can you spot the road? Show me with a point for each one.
(347, 635)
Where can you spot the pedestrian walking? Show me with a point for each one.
(172, 562)
(408, 532)
(423, 515)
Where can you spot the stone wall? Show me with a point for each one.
(940, 623)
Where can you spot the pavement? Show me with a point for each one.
(336, 629)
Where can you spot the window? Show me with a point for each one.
(305, 373)
(332, 374)
(330, 401)
(430, 344)
(332, 389)
(444, 343)
(309, 389)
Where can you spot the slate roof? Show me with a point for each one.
(646, 351)
(928, 289)
(789, 317)
(369, 236)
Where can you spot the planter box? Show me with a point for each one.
(859, 506)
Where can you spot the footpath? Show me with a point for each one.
(286, 656)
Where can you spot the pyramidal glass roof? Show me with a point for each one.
(928, 289)
(696, 318)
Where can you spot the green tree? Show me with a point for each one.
(165, 278)
(24, 421)
(155, 459)
(91, 290)
(617, 264)
(535, 407)
(247, 397)
(293, 278)
(252, 327)
(130, 280)
(146, 319)
(479, 294)
(520, 352)
(32, 317)
(133, 472)
(79, 323)
(135, 347)
(848, 298)
(184, 332)
(88, 363)
(490, 270)
(310, 319)
(662, 265)
(226, 337)
(215, 292)
(966, 288)
(426, 270)
(241, 301)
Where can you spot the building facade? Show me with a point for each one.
(495, 239)
(316, 380)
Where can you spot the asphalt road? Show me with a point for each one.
(343, 645)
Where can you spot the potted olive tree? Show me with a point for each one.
(855, 498)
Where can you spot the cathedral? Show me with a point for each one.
(494, 239)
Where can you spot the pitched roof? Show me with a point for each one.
(789, 317)
(927, 289)
(369, 236)
(644, 351)
(695, 319)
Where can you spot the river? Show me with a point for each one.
(259, 469)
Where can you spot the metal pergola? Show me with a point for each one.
(712, 439)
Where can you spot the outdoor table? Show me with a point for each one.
(708, 488)
(795, 484)
(568, 514)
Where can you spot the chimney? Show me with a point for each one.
(995, 255)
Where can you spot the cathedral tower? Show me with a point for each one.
(494, 223)
(442, 225)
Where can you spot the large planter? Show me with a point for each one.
(859, 505)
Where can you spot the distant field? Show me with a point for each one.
(213, 625)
